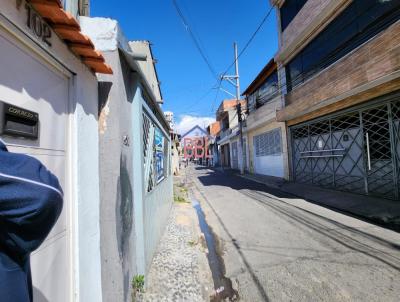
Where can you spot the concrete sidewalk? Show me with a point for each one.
(179, 271)
(378, 210)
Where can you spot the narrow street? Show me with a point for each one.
(276, 247)
(199, 151)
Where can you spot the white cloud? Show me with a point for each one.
(187, 122)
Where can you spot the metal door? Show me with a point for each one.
(245, 154)
(328, 153)
(357, 151)
(348, 162)
(395, 133)
(225, 156)
(235, 161)
(378, 151)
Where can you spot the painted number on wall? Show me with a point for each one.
(37, 25)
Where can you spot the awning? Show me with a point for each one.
(68, 29)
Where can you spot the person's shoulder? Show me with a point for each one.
(25, 168)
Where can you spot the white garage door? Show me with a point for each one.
(268, 157)
(26, 82)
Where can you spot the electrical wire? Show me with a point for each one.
(216, 95)
(245, 48)
(281, 86)
(251, 39)
(204, 56)
(194, 39)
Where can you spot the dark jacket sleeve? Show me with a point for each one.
(30, 202)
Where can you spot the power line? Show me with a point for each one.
(251, 39)
(195, 40)
(281, 86)
(244, 49)
(212, 70)
(194, 30)
(216, 95)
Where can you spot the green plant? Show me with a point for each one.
(138, 283)
(192, 242)
(179, 199)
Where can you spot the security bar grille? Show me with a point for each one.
(148, 152)
(357, 151)
(395, 121)
(379, 155)
(268, 143)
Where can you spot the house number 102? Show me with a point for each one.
(37, 25)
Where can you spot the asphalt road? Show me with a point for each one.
(277, 247)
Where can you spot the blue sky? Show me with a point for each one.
(185, 77)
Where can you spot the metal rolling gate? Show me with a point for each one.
(357, 150)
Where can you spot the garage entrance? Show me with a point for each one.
(268, 155)
(355, 150)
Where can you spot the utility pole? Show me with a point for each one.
(238, 106)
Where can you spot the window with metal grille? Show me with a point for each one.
(145, 134)
(268, 90)
(160, 155)
(360, 21)
(156, 155)
(268, 143)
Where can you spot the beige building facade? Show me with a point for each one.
(266, 139)
(228, 136)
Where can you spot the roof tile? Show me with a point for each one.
(68, 29)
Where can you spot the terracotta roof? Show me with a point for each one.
(214, 128)
(227, 105)
(68, 29)
(261, 77)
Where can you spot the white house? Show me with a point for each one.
(49, 69)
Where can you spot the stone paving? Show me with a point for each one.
(180, 271)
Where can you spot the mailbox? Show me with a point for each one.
(18, 122)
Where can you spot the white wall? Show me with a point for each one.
(82, 182)
(84, 132)
(269, 165)
(123, 115)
